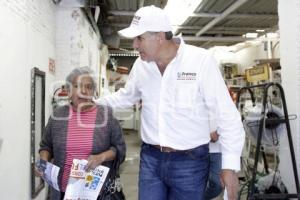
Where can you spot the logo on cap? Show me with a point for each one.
(135, 20)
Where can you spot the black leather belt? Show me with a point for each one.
(167, 149)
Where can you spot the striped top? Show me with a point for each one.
(107, 136)
(79, 139)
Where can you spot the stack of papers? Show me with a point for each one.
(85, 185)
(81, 185)
(50, 172)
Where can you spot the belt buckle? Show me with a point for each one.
(161, 149)
(165, 149)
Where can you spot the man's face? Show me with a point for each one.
(147, 45)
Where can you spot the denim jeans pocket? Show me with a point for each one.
(145, 147)
(199, 153)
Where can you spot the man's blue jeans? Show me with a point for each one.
(214, 187)
(178, 175)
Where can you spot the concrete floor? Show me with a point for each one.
(130, 168)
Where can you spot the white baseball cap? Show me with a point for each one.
(148, 18)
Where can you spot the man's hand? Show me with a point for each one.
(230, 180)
(94, 161)
(214, 136)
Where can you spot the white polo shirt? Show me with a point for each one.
(176, 106)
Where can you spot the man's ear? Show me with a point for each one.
(161, 36)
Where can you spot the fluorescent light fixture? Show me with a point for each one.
(179, 10)
(250, 35)
(254, 42)
(272, 35)
(72, 3)
(260, 30)
(97, 13)
(239, 46)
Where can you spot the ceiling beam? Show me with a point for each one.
(120, 25)
(141, 3)
(215, 39)
(206, 44)
(273, 16)
(92, 21)
(244, 15)
(204, 15)
(121, 13)
(226, 28)
(217, 28)
(229, 10)
(202, 39)
(219, 32)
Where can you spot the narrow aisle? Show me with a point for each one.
(130, 167)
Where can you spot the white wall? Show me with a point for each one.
(76, 43)
(103, 81)
(32, 32)
(289, 25)
(27, 40)
(247, 56)
(248, 53)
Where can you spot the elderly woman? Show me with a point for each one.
(82, 130)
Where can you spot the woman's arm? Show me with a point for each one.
(117, 140)
(98, 159)
(45, 146)
(44, 155)
(117, 148)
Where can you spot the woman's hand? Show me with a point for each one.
(37, 172)
(94, 161)
(98, 159)
(44, 155)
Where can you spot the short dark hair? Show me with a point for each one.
(168, 35)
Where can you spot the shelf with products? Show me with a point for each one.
(266, 71)
(231, 75)
(234, 85)
(229, 70)
(236, 82)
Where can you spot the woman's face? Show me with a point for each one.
(82, 92)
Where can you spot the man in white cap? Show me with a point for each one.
(179, 85)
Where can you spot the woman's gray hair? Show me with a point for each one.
(79, 71)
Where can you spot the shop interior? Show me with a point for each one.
(255, 43)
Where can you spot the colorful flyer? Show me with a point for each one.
(85, 185)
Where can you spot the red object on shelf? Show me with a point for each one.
(122, 70)
(63, 92)
(233, 94)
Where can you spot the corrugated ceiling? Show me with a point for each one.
(215, 22)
